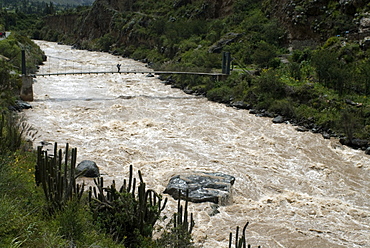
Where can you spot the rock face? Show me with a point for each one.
(90, 168)
(202, 187)
(309, 23)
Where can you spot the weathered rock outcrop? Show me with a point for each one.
(312, 22)
(202, 187)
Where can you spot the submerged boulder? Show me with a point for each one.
(202, 187)
(88, 168)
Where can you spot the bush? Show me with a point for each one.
(221, 94)
(264, 55)
(201, 60)
(283, 107)
(104, 43)
(270, 84)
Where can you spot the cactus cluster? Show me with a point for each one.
(126, 212)
(57, 177)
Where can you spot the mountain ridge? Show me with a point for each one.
(308, 23)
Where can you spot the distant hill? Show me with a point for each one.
(7, 3)
(67, 2)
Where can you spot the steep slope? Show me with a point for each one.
(122, 19)
(307, 23)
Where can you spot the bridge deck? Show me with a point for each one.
(127, 72)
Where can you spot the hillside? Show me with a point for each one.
(14, 3)
(68, 2)
(307, 23)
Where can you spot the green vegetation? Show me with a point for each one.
(325, 88)
(24, 16)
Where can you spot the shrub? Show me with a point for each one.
(221, 94)
(71, 221)
(104, 43)
(11, 131)
(271, 85)
(264, 55)
(283, 107)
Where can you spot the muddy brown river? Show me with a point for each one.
(295, 189)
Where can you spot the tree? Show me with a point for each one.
(8, 84)
(365, 76)
(323, 61)
(264, 54)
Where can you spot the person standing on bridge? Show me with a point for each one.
(119, 67)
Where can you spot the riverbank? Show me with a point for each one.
(303, 123)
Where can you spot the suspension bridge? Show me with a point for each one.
(128, 72)
(27, 79)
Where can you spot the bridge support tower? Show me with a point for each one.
(226, 61)
(26, 93)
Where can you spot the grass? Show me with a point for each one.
(23, 211)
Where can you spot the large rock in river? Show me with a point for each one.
(89, 169)
(202, 187)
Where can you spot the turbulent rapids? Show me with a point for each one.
(296, 189)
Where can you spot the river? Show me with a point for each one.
(295, 189)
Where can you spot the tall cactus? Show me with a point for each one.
(57, 179)
(182, 225)
(240, 242)
(179, 228)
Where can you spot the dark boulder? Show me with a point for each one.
(367, 151)
(301, 129)
(88, 168)
(253, 111)
(202, 187)
(325, 135)
(20, 105)
(240, 105)
(278, 119)
(354, 143)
